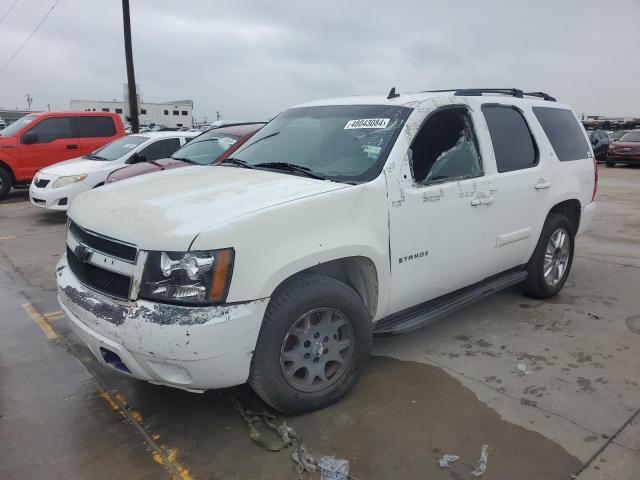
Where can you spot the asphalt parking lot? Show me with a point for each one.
(552, 387)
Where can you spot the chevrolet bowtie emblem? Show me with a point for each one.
(83, 252)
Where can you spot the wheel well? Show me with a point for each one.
(358, 273)
(571, 210)
(8, 169)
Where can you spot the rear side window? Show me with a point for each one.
(564, 133)
(95, 127)
(51, 129)
(513, 143)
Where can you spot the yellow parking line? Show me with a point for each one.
(53, 315)
(40, 320)
(7, 237)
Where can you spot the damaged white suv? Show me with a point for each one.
(338, 220)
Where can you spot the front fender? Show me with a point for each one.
(276, 243)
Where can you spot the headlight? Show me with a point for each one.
(64, 181)
(197, 278)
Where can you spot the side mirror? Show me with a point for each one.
(137, 158)
(29, 138)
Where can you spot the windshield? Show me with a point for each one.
(616, 135)
(206, 148)
(17, 125)
(630, 137)
(118, 148)
(346, 143)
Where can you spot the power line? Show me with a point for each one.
(6, 14)
(30, 35)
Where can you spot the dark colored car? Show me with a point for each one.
(600, 143)
(205, 149)
(626, 150)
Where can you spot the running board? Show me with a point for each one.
(416, 317)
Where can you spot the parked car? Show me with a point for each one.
(600, 143)
(616, 135)
(338, 219)
(205, 149)
(626, 150)
(38, 140)
(56, 186)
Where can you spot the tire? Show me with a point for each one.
(610, 164)
(537, 284)
(6, 181)
(310, 304)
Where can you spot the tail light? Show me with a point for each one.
(595, 179)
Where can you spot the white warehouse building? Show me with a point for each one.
(170, 114)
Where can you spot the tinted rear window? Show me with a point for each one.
(95, 127)
(512, 140)
(564, 133)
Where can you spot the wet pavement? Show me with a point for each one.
(449, 388)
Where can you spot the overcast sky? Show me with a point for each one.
(250, 60)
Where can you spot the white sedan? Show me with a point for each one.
(56, 186)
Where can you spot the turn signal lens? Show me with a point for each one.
(221, 276)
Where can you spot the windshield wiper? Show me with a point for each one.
(292, 167)
(95, 157)
(235, 161)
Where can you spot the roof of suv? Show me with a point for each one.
(514, 97)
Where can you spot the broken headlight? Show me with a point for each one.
(196, 278)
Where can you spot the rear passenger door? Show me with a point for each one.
(93, 132)
(522, 185)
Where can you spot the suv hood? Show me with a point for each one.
(79, 166)
(167, 210)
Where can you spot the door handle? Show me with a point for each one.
(481, 199)
(542, 184)
(72, 147)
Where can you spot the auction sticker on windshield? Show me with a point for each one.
(367, 123)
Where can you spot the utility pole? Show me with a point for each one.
(29, 101)
(131, 77)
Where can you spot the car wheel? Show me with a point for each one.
(610, 164)
(551, 261)
(313, 346)
(5, 183)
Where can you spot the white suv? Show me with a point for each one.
(338, 220)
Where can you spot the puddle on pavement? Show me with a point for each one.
(399, 419)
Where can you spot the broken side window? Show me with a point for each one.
(446, 148)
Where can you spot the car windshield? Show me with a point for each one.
(344, 143)
(17, 125)
(118, 148)
(206, 148)
(616, 135)
(630, 137)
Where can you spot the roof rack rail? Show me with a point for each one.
(513, 92)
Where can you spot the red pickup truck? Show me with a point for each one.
(42, 139)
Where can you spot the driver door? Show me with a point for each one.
(439, 222)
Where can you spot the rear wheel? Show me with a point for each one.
(6, 180)
(610, 164)
(313, 345)
(551, 261)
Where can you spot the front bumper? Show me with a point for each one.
(193, 348)
(630, 159)
(55, 198)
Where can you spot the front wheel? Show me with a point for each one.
(551, 261)
(313, 346)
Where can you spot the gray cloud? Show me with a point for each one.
(252, 59)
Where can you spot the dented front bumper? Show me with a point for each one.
(193, 348)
